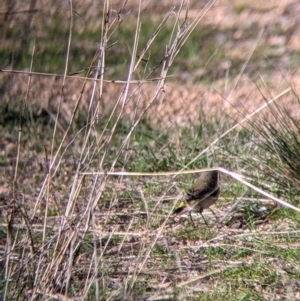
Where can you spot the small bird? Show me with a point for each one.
(204, 193)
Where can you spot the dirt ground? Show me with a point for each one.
(263, 36)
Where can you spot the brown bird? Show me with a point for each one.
(204, 193)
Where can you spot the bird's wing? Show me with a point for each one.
(200, 194)
(184, 205)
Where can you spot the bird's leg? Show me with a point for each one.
(214, 214)
(203, 217)
(190, 214)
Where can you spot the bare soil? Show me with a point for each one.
(263, 72)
